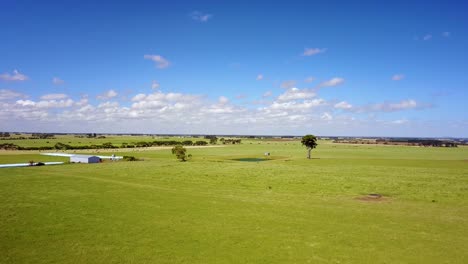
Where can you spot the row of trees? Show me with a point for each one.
(4, 134)
(107, 145)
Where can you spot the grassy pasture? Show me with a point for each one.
(215, 209)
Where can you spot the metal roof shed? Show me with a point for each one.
(84, 159)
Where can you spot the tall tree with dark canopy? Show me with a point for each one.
(310, 141)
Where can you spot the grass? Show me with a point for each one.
(214, 209)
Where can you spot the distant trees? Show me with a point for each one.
(213, 139)
(105, 145)
(4, 134)
(200, 143)
(310, 141)
(231, 141)
(42, 136)
(181, 153)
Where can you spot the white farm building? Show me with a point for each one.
(84, 159)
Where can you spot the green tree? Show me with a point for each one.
(181, 153)
(213, 140)
(310, 141)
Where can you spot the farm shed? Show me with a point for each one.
(84, 159)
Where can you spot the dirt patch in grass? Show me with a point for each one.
(373, 197)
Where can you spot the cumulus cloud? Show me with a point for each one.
(399, 106)
(57, 81)
(309, 79)
(201, 17)
(398, 77)
(161, 63)
(288, 84)
(82, 102)
(15, 76)
(297, 105)
(326, 116)
(223, 100)
(25, 103)
(6, 94)
(296, 94)
(399, 122)
(55, 96)
(332, 82)
(343, 105)
(154, 85)
(168, 112)
(267, 94)
(46, 103)
(107, 95)
(427, 37)
(312, 51)
(259, 77)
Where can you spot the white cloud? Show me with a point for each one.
(309, 79)
(25, 103)
(55, 103)
(296, 94)
(82, 102)
(399, 106)
(223, 100)
(161, 63)
(398, 77)
(399, 122)
(54, 96)
(6, 94)
(199, 16)
(297, 106)
(446, 34)
(16, 76)
(427, 37)
(267, 94)
(312, 51)
(57, 81)
(326, 116)
(343, 105)
(46, 103)
(288, 84)
(297, 110)
(154, 85)
(107, 95)
(259, 77)
(161, 101)
(332, 82)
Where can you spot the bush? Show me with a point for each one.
(181, 153)
(130, 158)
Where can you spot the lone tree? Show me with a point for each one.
(181, 153)
(310, 141)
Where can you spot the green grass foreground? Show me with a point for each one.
(215, 209)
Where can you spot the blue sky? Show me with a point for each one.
(368, 68)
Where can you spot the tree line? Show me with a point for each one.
(107, 145)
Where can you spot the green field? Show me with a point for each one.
(219, 209)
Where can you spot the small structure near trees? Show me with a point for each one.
(310, 141)
(181, 153)
(84, 159)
